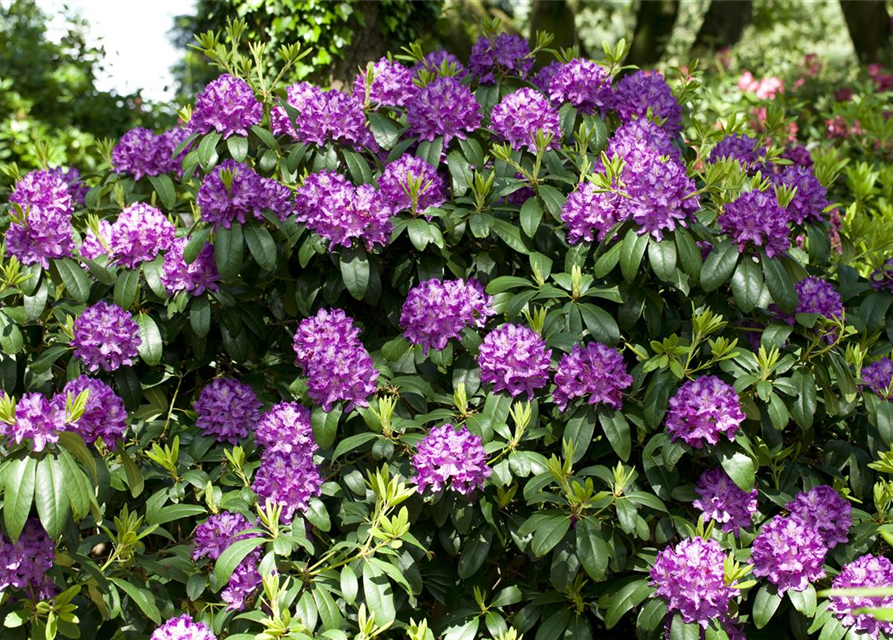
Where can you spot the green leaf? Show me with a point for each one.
(689, 254)
(765, 604)
(164, 187)
(74, 444)
(431, 151)
(329, 612)
(625, 598)
(352, 442)
(553, 198)
(592, 549)
(325, 426)
(607, 261)
(349, 585)
(51, 496)
(76, 280)
(355, 270)
(805, 402)
(475, 551)
(739, 466)
(549, 533)
(662, 256)
(617, 430)
(228, 249)
(358, 167)
(207, 150)
(150, 347)
(318, 515)
(265, 136)
(719, 265)
(153, 271)
(238, 148)
(379, 594)
(197, 242)
(384, 130)
(232, 558)
(200, 315)
(531, 216)
(126, 287)
(781, 288)
(34, 305)
(142, 597)
(18, 494)
(632, 251)
(174, 512)
(681, 630)
(78, 487)
(460, 171)
(261, 245)
(132, 473)
(747, 284)
(600, 324)
(510, 234)
(804, 601)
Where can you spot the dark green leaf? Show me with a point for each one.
(592, 549)
(549, 533)
(238, 148)
(261, 245)
(632, 251)
(384, 130)
(355, 270)
(325, 426)
(18, 495)
(475, 551)
(379, 594)
(164, 187)
(200, 315)
(600, 324)
(531, 216)
(150, 347)
(51, 496)
(662, 256)
(142, 597)
(765, 604)
(207, 150)
(719, 265)
(617, 430)
(358, 167)
(689, 253)
(228, 249)
(197, 242)
(233, 556)
(76, 280)
(126, 287)
(781, 288)
(747, 284)
(681, 630)
(740, 468)
(625, 598)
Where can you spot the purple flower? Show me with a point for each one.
(755, 217)
(140, 152)
(641, 132)
(216, 534)
(702, 411)
(589, 213)
(288, 477)
(445, 108)
(811, 198)
(95, 246)
(45, 190)
(638, 92)
(504, 54)
(446, 454)
(334, 360)
(139, 234)
(37, 420)
(196, 277)
(323, 116)
(818, 296)
(724, 502)
(690, 577)
(597, 371)
(24, 564)
(45, 234)
(434, 62)
(866, 571)
(336, 210)
(798, 154)
(394, 184)
(391, 84)
(882, 277)
(582, 83)
(822, 509)
(228, 410)
(520, 115)
(738, 147)
(226, 105)
(437, 310)
(286, 425)
(515, 359)
(243, 582)
(105, 336)
(788, 553)
(247, 196)
(877, 376)
(543, 78)
(183, 628)
(72, 177)
(104, 417)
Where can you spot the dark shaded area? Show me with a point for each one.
(723, 24)
(655, 20)
(869, 25)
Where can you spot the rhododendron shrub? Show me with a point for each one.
(469, 350)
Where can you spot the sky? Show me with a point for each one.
(134, 33)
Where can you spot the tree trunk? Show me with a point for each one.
(654, 26)
(869, 26)
(558, 18)
(367, 44)
(723, 24)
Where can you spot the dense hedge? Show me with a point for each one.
(559, 370)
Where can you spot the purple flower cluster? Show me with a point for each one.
(811, 198)
(642, 132)
(334, 360)
(24, 564)
(543, 77)
(446, 454)
(288, 477)
(514, 358)
(597, 371)
(76, 187)
(139, 234)
(434, 62)
(94, 246)
(638, 92)
(798, 154)
(394, 184)
(738, 147)
(437, 310)
(882, 277)
(338, 211)
(105, 336)
(286, 425)
(228, 410)
(183, 628)
(690, 577)
(824, 510)
(877, 376)
(703, 410)
(45, 234)
(226, 105)
(503, 54)
(104, 417)
(447, 108)
(722, 501)
(45, 190)
(589, 213)
(789, 553)
(755, 217)
(818, 296)
(247, 195)
(866, 571)
(216, 535)
(582, 83)
(36, 419)
(196, 277)
(519, 115)
(322, 116)
(140, 152)
(391, 86)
